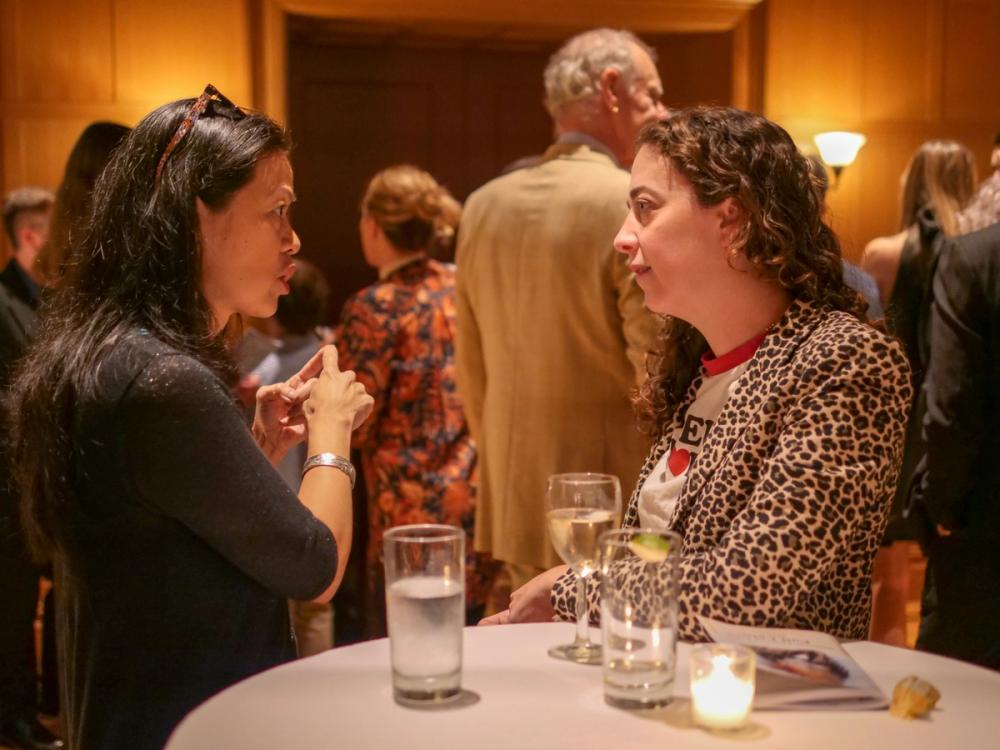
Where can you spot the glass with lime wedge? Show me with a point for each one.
(651, 548)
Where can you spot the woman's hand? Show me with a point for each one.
(278, 423)
(530, 603)
(336, 400)
(286, 410)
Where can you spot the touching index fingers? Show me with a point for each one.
(316, 364)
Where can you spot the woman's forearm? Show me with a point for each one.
(326, 491)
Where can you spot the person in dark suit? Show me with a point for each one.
(959, 492)
(26, 216)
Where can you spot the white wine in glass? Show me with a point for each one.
(579, 508)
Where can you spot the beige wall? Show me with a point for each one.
(66, 63)
(899, 71)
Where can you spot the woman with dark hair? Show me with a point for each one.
(778, 414)
(87, 160)
(399, 336)
(175, 542)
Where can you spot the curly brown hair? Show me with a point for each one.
(728, 153)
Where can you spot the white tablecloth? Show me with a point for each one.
(342, 699)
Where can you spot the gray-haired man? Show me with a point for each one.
(552, 333)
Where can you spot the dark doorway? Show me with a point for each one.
(361, 98)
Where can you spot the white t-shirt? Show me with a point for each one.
(662, 488)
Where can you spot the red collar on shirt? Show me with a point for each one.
(732, 358)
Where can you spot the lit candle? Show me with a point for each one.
(722, 685)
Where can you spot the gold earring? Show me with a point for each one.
(614, 109)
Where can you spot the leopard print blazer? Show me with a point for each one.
(784, 507)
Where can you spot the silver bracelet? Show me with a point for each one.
(331, 459)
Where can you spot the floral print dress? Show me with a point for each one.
(417, 455)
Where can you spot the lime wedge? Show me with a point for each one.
(650, 548)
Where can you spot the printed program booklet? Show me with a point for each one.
(801, 669)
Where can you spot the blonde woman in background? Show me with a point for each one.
(398, 335)
(936, 185)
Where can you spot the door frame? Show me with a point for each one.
(506, 20)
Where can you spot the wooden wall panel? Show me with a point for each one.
(749, 59)
(971, 80)
(696, 68)
(8, 73)
(65, 63)
(61, 51)
(651, 16)
(166, 51)
(896, 83)
(814, 60)
(899, 71)
(33, 136)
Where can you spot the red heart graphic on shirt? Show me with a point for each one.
(678, 461)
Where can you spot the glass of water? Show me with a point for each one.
(425, 610)
(639, 616)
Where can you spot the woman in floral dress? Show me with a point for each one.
(398, 336)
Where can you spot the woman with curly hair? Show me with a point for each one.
(777, 412)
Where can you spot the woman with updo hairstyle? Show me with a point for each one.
(398, 335)
(777, 412)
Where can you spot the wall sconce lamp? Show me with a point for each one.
(839, 149)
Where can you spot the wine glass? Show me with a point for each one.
(579, 508)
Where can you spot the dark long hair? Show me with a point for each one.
(729, 153)
(90, 154)
(136, 264)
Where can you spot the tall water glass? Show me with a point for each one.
(639, 616)
(579, 508)
(425, 610)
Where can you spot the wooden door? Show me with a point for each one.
(459, 112)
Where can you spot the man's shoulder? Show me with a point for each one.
(7, 296)
(982, 246)
(16, 316)
(13, 283)
(593, 173)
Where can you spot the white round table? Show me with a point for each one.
(343, 699)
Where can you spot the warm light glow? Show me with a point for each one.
(839, 148)
(722, 686)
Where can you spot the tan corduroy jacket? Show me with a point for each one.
(552, 337)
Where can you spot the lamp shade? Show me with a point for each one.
(839, 148)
